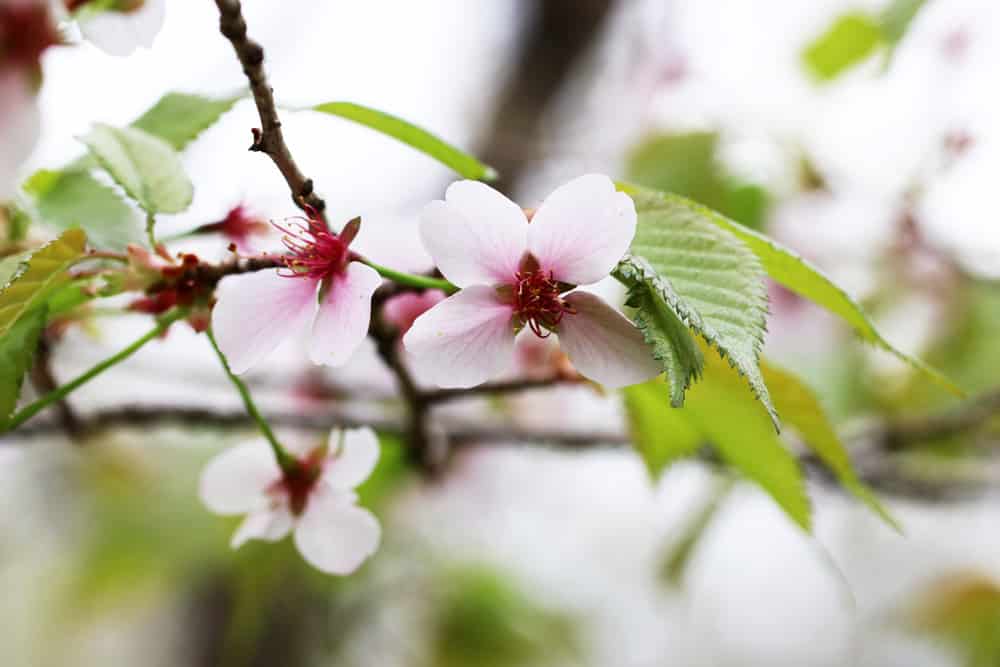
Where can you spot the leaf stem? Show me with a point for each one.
(409, 279)
(286, 461)
(61, 392)
(150, 234)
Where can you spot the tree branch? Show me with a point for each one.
(269, 138)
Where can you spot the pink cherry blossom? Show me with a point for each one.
(316, 503)
(319, 287)
(403, 309)
(515, 275)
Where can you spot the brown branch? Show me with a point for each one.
(269, 138)
(496, 388)
(967, 416)
(44, 382)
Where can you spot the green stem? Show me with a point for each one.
(286, 461)
(61, 392)
(150, 223)
(423, 282)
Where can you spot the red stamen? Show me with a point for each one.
(314, 251)
(538, 301)
(298, 482)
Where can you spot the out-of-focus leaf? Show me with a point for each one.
(46, 270)
(482, 620)
(801, 409)
(656, 307)
(719, 281)
(896, 19)
(962, 610)
(851, 38)
(11, 265)
(660, 433)
(687, 164)
(178, 118)
(147, 167)
(16, 220)
(411, 135)
(389, 473)
(721, 412)
(17, 350)
(74, 198)
(788, 268)
(680, 553)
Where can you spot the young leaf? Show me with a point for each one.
(788, 268)
(46, 270)
(178, 118)
(17, 349)
(851, 38)
(147, 167)
(801, 409)
(656, 316)
(74, 198)
(721, 412)
(719, 281)
(397, 128)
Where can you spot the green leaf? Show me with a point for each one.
(17, 350)
(74, 198)
(397, 128)
(147, 167)
(896, 19)
(656, 306)
(788, 268)
(801, 409)
(661, 434)
(719, 281)
(851, 38)
(721, 412)
(178, 118)
(46, 270)
(11, 265)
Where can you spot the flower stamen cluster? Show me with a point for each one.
(538, 301)
(314, 252)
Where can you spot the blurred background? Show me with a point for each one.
(882, 173)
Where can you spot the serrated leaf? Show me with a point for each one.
(719, 281)
(147, 167)
(411, 135)
(801, 409)
(74, 198)
(718, 411)
(178, 118)
(850, 39)
(660, 434)
(46, 270)
(791, 270)
(11, 265)
(655, 315)
(17, 350)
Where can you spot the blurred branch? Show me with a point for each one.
(968, 416)
(45, 382)
(269, 138)
(494, 388)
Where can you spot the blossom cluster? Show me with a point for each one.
(513, 272)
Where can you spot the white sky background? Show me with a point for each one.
(585, 530)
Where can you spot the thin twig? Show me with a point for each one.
(495, 388)
(269, 138)
(44, 382)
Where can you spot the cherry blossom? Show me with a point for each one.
(402, 310)
(319, 286)
(515, 275)
(123, 27)
(315, 501)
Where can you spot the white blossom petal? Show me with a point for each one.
(582, 230)
(121, 33)
(335, 535)
(463, 341)
(236, 480)
(603, 345)
(256, 311)
(343, 318)
(270, 524)
(19, 126)
(353, 455)
(476, 236)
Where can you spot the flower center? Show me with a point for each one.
(538, 301)
(314, 252)
(297, 483)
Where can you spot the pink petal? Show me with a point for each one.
(267, 523)
(256, 311)
(19, 125)
(342, 321)
(582, 230)
(335, 535)
(236, 480)
(121, 33)
(476, 236)
(463, 341)
(353, 455)
(401, 310)
(603, 345)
